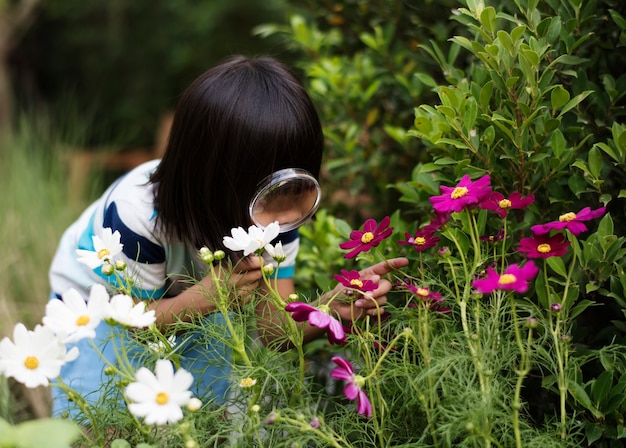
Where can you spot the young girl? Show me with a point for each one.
(236, 124)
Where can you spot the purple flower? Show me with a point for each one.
(544, 246)
(466, 193)
(422, 240)
(371, 236)
(352, 279)
(501, 205)
(514, 278)
(570, 221)
(318, 318)
(354, 385)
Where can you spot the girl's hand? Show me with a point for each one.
(371, 303)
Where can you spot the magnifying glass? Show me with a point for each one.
(290, 196)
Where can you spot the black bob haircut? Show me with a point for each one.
(234, 125)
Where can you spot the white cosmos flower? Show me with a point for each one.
(34, 357)
(276, 252)
(105, 248)
(72, 318)
(158, 397)
(253, 240)
(123, 310)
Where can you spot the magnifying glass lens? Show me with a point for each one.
(290, 196)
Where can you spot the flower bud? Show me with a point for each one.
(206, 255)
(194, 404)
(219, 254)
(268, 269)
(444, 252)
(120, 265)
(108, 269)
(531, 322)
(556, 307)
(315, 423)
(255, 408)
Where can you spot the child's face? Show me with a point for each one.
(289, 201)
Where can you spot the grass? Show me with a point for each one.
(34, 212)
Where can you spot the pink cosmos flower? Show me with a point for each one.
(318, 317)
(371, 236)
(422, 240)
(352, 279)
(501, 205)
(514, 278)
(544, 246)
(466, 193)
(570, 221)
(354, 385)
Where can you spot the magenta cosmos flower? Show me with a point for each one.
(354, 385)
(466, 193)
(544, 246)
(501, 205)
(352, 279)
(570, 221)
(318, 317)
(514, 278)
(422, 240)
(371, 236)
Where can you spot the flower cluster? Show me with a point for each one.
(467, 195)
(35, 357)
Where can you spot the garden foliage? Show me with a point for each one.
(491, 147)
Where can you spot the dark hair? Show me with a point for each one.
(234, 125)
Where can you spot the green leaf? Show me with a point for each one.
(120, 443)
(559, 97)
(601, 386)
(575, 101)
(594, 159)
(48, 432)
(580, 307)
(579, 394)
(8, 436)
(618, 19)
(488, 19)
(557, 265)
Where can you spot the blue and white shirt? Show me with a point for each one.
(161, 268)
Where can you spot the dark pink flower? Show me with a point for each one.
(570, 221)
(466, 193)
(318, 317)
(514, 278)
(544, 246)
(501, 205)
(371, 236)
(440, 220)
(422, 240)
(353, 280)
(495, 238)
(354, 385)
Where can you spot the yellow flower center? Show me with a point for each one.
(544, 248)
(31, 362)
(419, 241)
(103, 253)
(459, 192)
(367, 237)
(356, 282)
(247, 382)
(504, 203)
(507, 279)
(82, 320)
(162, 398)
(423, 292)
(567, 217)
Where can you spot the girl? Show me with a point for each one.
(238, 123)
